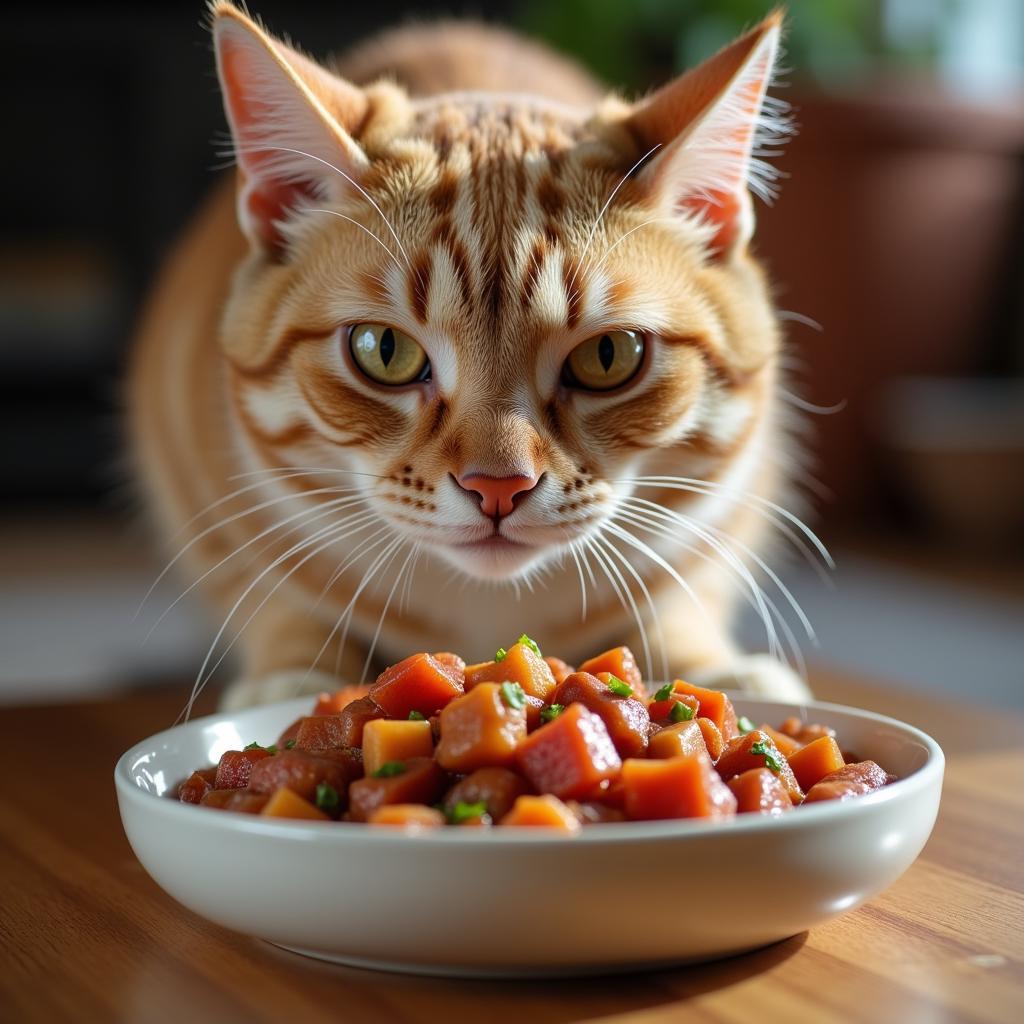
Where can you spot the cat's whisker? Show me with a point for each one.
(251, 510)
(625, 595)
(610, 249)
(355, 184)
(318, 544)
(320, 511)
(747, 498)
(384, 611)
(304, 471)
(689, 523)
(362, 227)
(344, 565)
(406, 599)
(583, 586)
(600, 216)
(734, 563)
(655, 618)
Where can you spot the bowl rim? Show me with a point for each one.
(822, 813)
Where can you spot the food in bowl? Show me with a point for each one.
(528, 740)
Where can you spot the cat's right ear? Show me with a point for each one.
(291, 122)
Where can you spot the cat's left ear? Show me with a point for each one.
(706, 125)
(291, 121)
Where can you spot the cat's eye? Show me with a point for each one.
(604, 362)
(388, 356)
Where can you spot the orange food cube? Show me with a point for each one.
(419, 683)
(197, 785)
(496, 788)
(740, 756)
(571, 755)
(625, 718)
(354, 717)
(678, 787)
(850, 780)
(621, 663)
(787, 744)
(302, 772)
(760, 790)
(810, 764)
(521, 665)
(387, 739)
(712, 737)
(283, 803)
(453, 665)
(412, 816)
(244, 801)
(321, 732)
(480, 730)
(544, 811)
(660, 710)
(713, 704)
(235, 767)
(421, 781)
(559, 669)
(333, 703)
(678, 740)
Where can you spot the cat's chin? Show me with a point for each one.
(494, 558)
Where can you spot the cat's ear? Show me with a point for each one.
(706, 125)
(290, 120)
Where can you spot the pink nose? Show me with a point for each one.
(497, 493)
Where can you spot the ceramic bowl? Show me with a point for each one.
(527, 902)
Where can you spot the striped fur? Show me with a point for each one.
(477, 220)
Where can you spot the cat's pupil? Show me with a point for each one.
(387, 346)
(606, 352)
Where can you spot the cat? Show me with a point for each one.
(469, 348)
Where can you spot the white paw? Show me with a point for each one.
(245, 693)
(759, 675)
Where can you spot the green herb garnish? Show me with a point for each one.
(417, 716)
(745, 725)
(253, 746)
(289, 744)
(464, 812)
(389, 769)
(680, 712)
(619, 688)
(272, 749)
(327, 798)
(500, 654)
(770, 759)
(551, 712)
(665, 692)
(513, 695)
(524, 639)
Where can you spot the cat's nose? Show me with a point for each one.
(497, 493)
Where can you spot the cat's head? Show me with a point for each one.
(493, 309)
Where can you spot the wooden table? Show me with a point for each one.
(86, 936)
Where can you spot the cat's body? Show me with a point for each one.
(479, 226)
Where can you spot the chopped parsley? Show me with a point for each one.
(745, 725)
(417, 716)
(501, 654)
(289, 744)
(463, 811)
(389, 769)
(665, 692)
(513, 695)
(680, 712)
(551, 712)
(770, 759)
(532, 644)
(327, 798)
(272, 749)
(619, 688)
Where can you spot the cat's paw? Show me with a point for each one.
(246, 693)
(759, 675)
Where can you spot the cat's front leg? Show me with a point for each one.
(758, 675)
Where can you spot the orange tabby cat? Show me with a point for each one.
(467, 351)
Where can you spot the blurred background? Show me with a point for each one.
(896, 246)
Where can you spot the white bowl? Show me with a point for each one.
(524, 902)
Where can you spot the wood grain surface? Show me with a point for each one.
(86, 936)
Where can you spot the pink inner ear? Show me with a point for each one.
(723, 210)
(265, 203)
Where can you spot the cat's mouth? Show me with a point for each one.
(495, 541)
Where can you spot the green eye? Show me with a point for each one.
(388, 356)
(605, 361)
